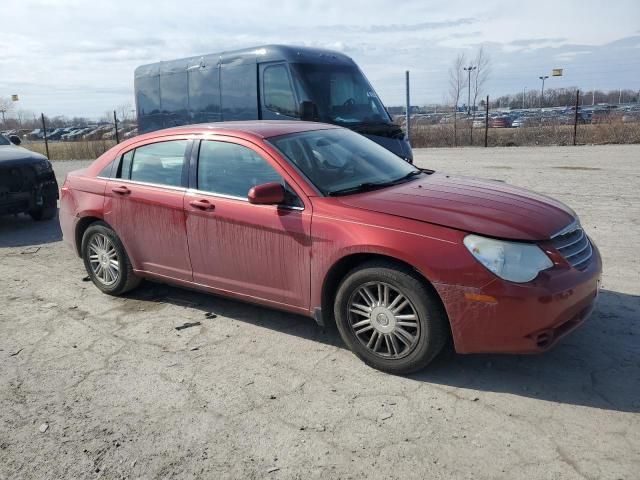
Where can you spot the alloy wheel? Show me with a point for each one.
(384, 320)
(103, 259)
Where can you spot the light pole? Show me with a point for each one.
(469, 69)
(543, 78)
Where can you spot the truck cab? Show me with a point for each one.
(271, 82)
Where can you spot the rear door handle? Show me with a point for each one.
(122, 190)
(202, 205)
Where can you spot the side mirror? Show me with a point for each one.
(15, 139)
(308, 111)
(267, 194)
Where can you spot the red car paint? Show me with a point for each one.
(283, 258)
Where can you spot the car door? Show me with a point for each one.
(259, 252)
(144, 205)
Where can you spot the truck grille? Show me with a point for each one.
(17, 179)
(575, 247)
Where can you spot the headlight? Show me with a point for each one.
(42, 167)
(513, 261)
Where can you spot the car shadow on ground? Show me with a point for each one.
(22, 231)
(597, 366)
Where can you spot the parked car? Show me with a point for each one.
(479, 121)
(519, 122)
(500, 122)
(27, 182)
(318, 220)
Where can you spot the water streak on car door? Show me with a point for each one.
(256, 251)
(150, 221)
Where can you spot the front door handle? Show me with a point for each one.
(122, 190)
(202, 205)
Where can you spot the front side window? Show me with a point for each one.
(278, 93)
(158, 163)
(231, 169)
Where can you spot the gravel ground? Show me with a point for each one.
(99, 387)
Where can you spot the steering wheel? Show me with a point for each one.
(349, 102)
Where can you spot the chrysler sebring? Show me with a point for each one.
(318, 220)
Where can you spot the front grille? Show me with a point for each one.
(575, 247)
(17, 179)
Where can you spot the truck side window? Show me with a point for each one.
(278, 93)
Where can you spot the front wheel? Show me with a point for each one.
(47, 211)
(106, 260)
(389, 318)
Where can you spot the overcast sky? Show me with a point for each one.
(76, 57)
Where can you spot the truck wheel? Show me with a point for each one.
(47, 211)
(389, 318)
(106, 261)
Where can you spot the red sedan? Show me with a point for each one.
(318, 220)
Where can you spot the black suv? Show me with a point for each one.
(27, 182)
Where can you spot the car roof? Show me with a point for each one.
(256, 129)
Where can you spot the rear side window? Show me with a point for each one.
(231, 169)
(278, 93)
(158, 163)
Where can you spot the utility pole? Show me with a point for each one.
(115, 123)
(593, 97)
(524, 92)
(408, 108)
(3, 112)
(469, 69)
(620, 97)
(543, 78)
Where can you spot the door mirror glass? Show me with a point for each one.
(15, 139)
(271, 193)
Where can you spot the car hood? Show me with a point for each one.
(486, 207)
(11, 155)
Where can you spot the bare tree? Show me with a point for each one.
(124, 111)
(479, 78)
(457, 83)
(5, 106)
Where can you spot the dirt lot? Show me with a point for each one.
(99, 387)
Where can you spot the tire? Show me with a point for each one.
(411, 334)
(46, 211)
(101, 242)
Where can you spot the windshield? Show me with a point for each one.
(4, 140)
(341, 93)
(339, 161)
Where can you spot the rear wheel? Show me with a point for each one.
(389, 318)
(106, 261)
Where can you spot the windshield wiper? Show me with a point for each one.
(367, 186)
(409, 175)
(361, 187)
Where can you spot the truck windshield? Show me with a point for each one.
(4, 141)
(342, 94)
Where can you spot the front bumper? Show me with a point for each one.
(33, 196)
(505, 317)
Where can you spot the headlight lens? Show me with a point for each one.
(513, 261)
(42, 167)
